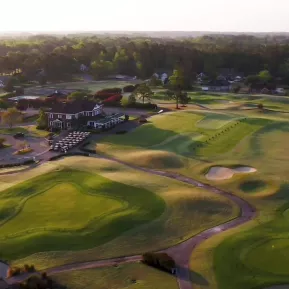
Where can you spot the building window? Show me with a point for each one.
(59, 116)
(68, 116)
(87, 113)
(51, 115)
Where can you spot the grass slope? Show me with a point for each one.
(136, 276)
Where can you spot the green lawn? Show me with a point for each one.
(136, 276)
(28, 130)
(74, 210)
(91, 86)
(142, 226)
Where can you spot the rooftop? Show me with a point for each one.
(72, 107)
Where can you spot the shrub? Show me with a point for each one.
(69, 154)
(260, 106)
(129, 88)
(159, 260)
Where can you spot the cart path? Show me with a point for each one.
(180, 252)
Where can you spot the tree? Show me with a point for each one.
(184, 99)
(176, 82)
(265, 76)
(77, 95)
(42, 121)
(3, 104)
(126, 101)
(11, 116)
(9, 87)
(143, 92)
(154, 81)
(42, 80)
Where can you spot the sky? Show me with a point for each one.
(148, 15)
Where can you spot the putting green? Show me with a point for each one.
(70, 210)
(269, 256)
(64, 206)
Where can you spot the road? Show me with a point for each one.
(181, 252)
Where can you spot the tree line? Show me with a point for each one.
(57, 58)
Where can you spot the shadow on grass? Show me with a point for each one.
(192, 276)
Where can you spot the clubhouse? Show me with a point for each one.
(69, 115)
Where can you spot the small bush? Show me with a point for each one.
(159, 260)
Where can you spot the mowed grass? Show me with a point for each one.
(189, 210)
(70, 210)
(136, 276)
(215, 121)
(62, 207)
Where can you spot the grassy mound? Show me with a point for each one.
(70, 210)
(155, 159)
(253, 186)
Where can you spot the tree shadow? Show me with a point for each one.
(192, 276)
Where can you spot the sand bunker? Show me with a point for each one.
(222, 173)
(3, 270)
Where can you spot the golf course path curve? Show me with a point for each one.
(181, 252)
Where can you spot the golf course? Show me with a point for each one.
(244, 149)
(212, 179)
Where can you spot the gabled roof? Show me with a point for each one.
(73, 107)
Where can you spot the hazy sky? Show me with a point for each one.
(148, 15)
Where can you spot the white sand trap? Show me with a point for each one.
(3, 270)
(223, 173)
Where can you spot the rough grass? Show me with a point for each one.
(27, 130)
(253, 186)
(85, 210)
(189, 211)
(120, 277)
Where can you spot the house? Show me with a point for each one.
(69, 114)
(218, 85)
(280, 91)
(83, 68)
(58, 94)
(106, 122)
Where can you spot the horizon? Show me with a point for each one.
(210, 16)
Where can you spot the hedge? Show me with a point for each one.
(68, 154)
(27, 162)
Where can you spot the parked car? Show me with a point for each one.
(19, 135)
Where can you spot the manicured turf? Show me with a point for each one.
(256, 258)
(136, 276)
(70, 209)
(259, 140)
(189, 210)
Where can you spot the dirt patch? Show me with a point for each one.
(223, 173)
